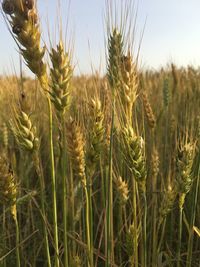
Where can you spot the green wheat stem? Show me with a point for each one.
(104, 175)
(106, 214)
(4, 231)
(42, 195)
(90, 218)
(72, 209)
(144, 230)
(87, 218)
(91, 223)
(17, 241)
(64, 193)
(179, 236)
(53, 181)
(110, 256)
(120, 226)
(155, 237)
(162, 233)
(103, 186)
(135, 238)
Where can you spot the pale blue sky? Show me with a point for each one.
(172, 32)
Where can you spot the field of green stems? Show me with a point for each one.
(97, 171)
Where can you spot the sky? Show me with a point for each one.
(171, 33)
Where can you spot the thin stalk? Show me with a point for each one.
(135, 238)
(89, 247)
(103, 187)
(106, 214)
(144, 260)
(162, 234)
(89, 192)
(154, 223)
(17, 241)
(179, 236)
(64, 193)
(191, 233)
(120, 226)
(172, 219)
(53, 181)
(109, 219)
(91, 223)
(42, 195)
(4, 231)
(166, 143)
(72, 210)
(103, 196)
(84, 219)
(155, 237)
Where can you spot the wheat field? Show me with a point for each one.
(97, 170)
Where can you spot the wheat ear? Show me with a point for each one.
(61, 73)
(8, 197)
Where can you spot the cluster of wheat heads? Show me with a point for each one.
(95, 171)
